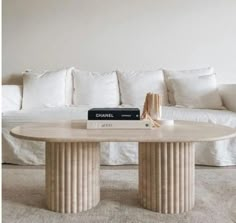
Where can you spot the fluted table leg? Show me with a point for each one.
(166, 176)
(72, 176)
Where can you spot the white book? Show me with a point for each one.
(119, 124)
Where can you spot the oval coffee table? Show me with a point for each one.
(166, 162)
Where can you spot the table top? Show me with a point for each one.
(75, 131)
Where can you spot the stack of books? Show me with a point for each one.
(116, 118)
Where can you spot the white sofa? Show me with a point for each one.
(220, 153)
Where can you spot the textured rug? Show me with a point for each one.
(24, 199)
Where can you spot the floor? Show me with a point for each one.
(24, 197)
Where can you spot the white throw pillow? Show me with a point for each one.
(228, 95)
(11, 97)
(134, 86)
(197, 92)
(95, 89)
(168, 74)
(44, 90)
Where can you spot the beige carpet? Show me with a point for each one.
(24, 199)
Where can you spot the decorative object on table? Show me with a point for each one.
(114, 114)
(119, 124)
(152, 109)
(116, 118)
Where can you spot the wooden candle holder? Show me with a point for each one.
(152, 109)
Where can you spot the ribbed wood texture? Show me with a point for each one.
(72, 176)
(166, 176)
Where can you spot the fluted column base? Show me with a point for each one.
(166, 176)
(72, 176)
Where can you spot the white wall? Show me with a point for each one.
(101, 35)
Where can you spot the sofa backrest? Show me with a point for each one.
(12, 95)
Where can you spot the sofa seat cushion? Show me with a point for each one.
(223, 117)
(15, 118)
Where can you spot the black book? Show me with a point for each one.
(114, 114)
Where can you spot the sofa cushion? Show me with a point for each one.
(197, 92)
(228, 95)
(223, 117)
(14, 118)
(44, 90)
(95, 89)
(11, 97)
(168, 74)
(134, 86)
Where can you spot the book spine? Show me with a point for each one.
(103, 115)
(106, 124)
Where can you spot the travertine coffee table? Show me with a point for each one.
(166, 162)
